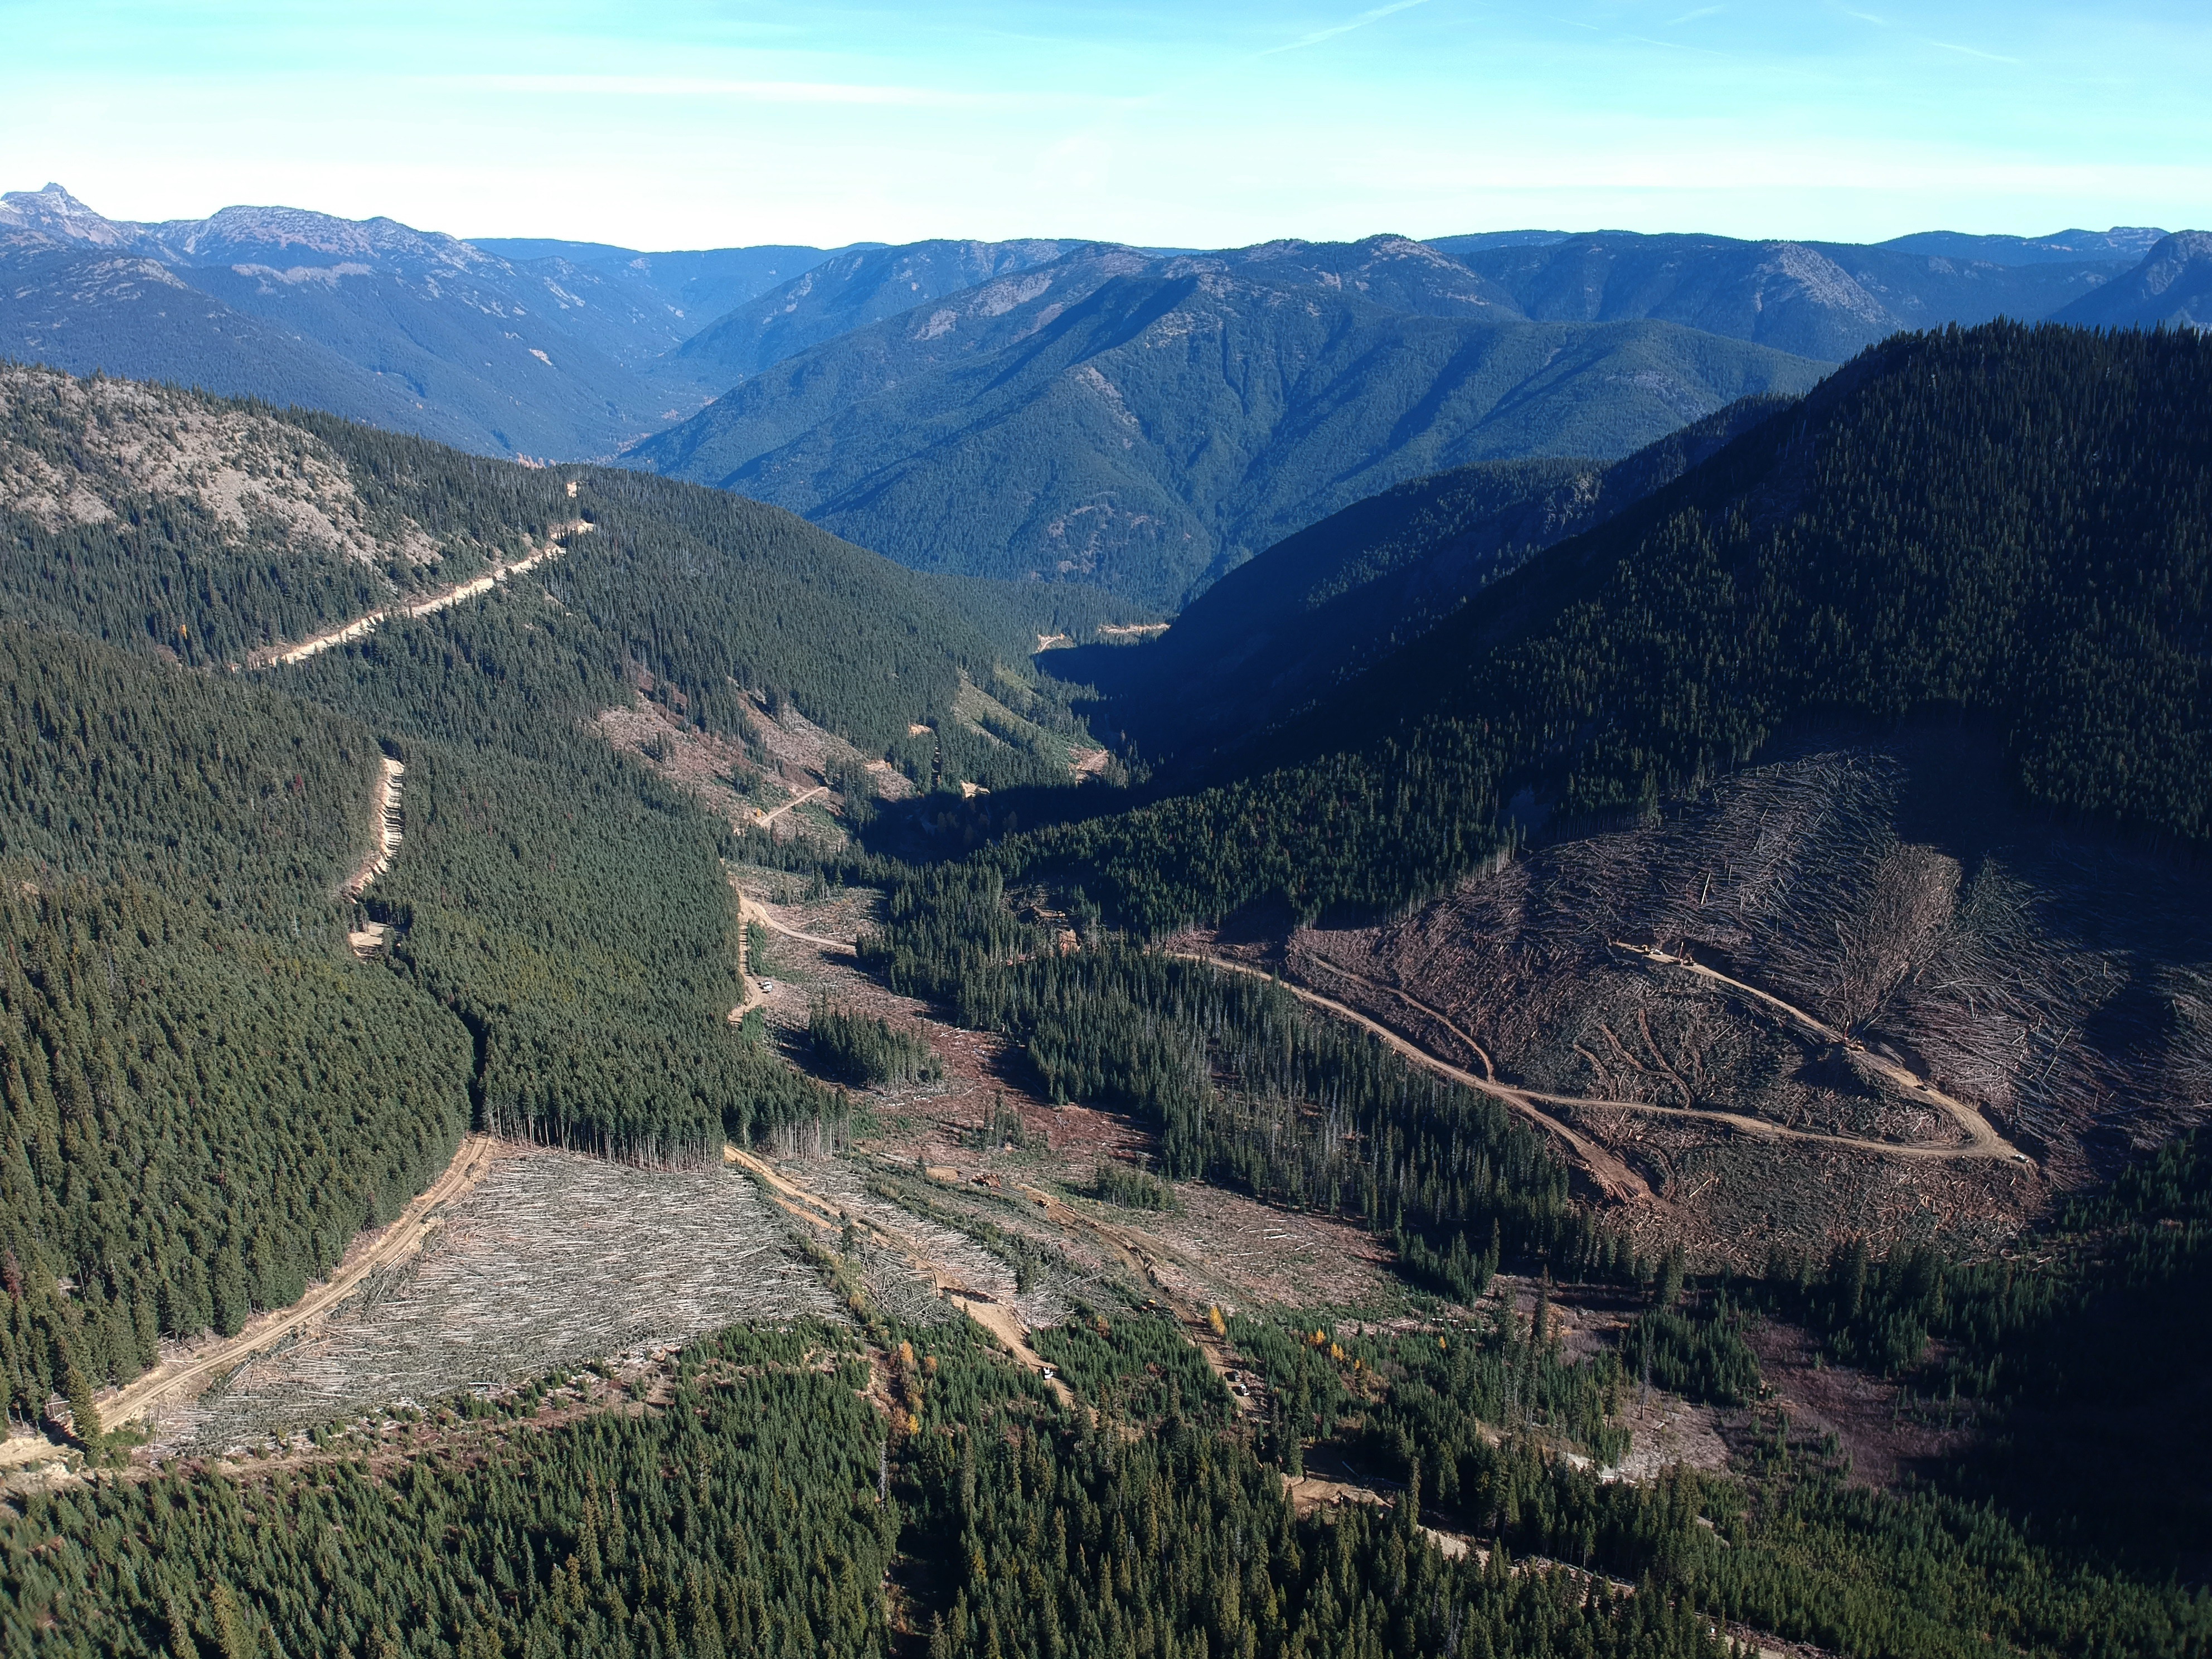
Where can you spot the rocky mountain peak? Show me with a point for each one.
(282, 235)
(55, 213)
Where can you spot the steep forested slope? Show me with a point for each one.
(184, 1019)
(1851, 713)
(2006, 521)
(213, 530)
(1146, 424)
(1278, 632)
(205, 1095)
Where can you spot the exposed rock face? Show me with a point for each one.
(2173, 286)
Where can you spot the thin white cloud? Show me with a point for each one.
(1692, 16)
(1972, 51)
(765, 92)
(1359, 23)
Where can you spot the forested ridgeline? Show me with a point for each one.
(709, 606)
(1244, 1088)
(205, 1095)
(1275, 634)
(208, 528)
(2007, 521)
(1068, 423)
(156, 518)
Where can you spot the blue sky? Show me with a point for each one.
(686, 123)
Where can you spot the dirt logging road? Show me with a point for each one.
(1608, 1172)
(750, 911)
(405, 1236)
(445, 598)
(1000, 1319)
(761, 820)
(1614, 1178)
(1982, 1140)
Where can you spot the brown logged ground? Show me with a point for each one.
(1220, 1247)
(1848, 992)
(546, 1259)
(752, 785)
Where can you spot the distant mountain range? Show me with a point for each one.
(847, 291)
(697, 286)
(1148, 423)
(1035, 409)
(2171, 288)
(536, 355)
(1822, 299)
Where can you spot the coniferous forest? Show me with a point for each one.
(2006, 523)
(211, 1086)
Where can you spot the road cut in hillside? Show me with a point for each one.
(1985, 1141)
(753, 909)
(1614, 1178)
(1985, 1145)
(473, 1161)
(360, 627)
(391, 830)
(761, 820)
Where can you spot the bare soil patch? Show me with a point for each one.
(759, 784)
(1887, 1438)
